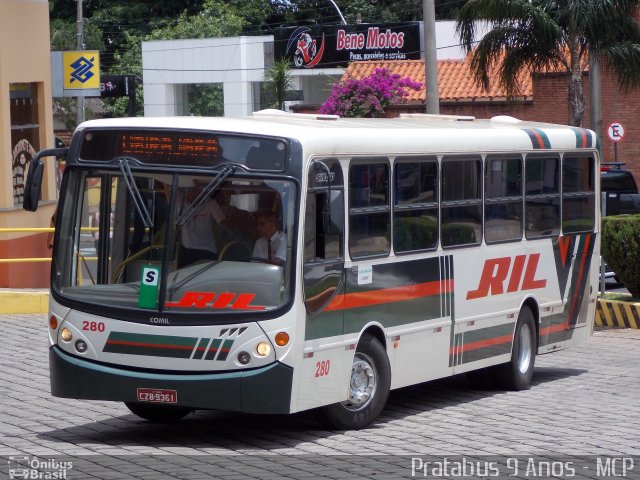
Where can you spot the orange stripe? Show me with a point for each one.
(389, 295)
(467, 347)
(539, 138)
(554, 328)
(584, 138)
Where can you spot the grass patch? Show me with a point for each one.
(620, 297)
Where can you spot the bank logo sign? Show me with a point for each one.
(81, 70)
(337, 45)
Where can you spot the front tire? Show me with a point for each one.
(158, 413)
(368, 388)
(517, 373)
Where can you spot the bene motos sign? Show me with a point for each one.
(337, 45)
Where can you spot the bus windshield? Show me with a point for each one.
(175, 242)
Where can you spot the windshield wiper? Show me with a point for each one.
(134, 191)
(211, 187)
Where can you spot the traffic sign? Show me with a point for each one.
(616, 132)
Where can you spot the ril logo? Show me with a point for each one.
(496, 271)
(222, 300)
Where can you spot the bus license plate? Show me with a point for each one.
(157, 395)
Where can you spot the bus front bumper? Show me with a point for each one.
(263, 390)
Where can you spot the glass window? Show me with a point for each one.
(503, 200)
(415, 219)
(578, 200)
(461, 222)
(324, 220)
(542, 197)
(230, 243)
(369, 209)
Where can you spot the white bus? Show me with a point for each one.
(411, 249)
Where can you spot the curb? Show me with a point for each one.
(23, 301)
(613, 313)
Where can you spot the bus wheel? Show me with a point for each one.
(516, 374)
(368, 388)
(158, 413)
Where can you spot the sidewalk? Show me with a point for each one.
(24, 300)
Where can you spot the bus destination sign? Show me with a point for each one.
(173, 148)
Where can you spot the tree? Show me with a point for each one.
(216, 19)
(370, 96)
(539, 35)
(278, 81)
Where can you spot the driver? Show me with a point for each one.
(272, 244)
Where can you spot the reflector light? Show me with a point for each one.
(53, 322)
(282, 338)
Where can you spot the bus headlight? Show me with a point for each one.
(66, 335)
(263, 349)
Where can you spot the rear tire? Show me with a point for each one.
(368, 388)
(158, 413)
(517, 373)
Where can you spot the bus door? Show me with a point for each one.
(323, 277)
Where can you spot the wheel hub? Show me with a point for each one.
(362, 385)
(525, 348)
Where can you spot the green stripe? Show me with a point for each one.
(152, 339)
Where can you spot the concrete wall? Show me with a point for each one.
(24, 58)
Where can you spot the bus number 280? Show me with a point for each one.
(92, 326)
(322, 368)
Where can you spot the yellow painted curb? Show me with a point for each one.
(24, 301)
(613, 313)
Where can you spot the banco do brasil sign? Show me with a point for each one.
(337, 45)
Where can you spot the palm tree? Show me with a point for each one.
(557, 35)
(278, 81)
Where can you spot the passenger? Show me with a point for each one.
(197, 240)
(272, 244)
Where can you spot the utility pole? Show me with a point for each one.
(595, 122)
(430, 57)
(80, 46)
(595, 95)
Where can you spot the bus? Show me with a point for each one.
(413, 248)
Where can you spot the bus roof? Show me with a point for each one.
(411, 133)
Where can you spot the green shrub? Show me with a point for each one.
(621, 249)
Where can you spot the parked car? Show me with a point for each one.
(621, 196)
(621, 189)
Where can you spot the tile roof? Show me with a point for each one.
(455, 80)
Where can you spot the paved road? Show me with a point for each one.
(583, 407)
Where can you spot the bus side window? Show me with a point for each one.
(578, 197)
(503, 199)
(415, 205)
(542, 196)
(369, 209)
(461, 222)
